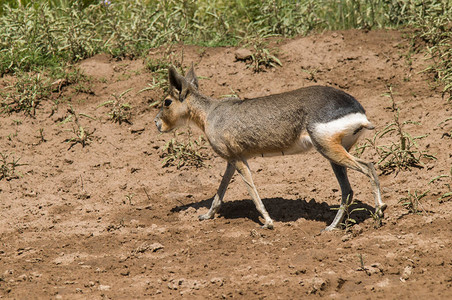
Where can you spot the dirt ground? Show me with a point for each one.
(107, 221)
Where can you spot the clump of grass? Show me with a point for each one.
(120, 112)
(66, 76)
(446, 196)
(404, 152)
(42, 33)
(349, 221)
(261, 57)
(81, 135)
(432, 21)
(183, 153)
(8, 166)
(413, 201)
(26, 94)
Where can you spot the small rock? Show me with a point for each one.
(318, 284)
(137, 129)
(406, 273)
(217, 281)
(155, 247)
(243, 54)
(104, 287)
(22, 277)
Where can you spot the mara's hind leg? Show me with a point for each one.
(347, 194)
(218, 199)
(336, 153)
(244, 170)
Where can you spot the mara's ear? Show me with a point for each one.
(191, 77)
(175, 79)
(179, 83)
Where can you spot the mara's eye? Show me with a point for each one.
(168, 102)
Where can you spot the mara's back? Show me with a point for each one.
(274, 123)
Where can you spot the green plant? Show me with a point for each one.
(362, 267)
(432, 21)
(81, 136)
(403, 153)
(8, 166)
(348, 221)
(128, 199)
(446, 196)
(312, 72)
(41, 137)
(27, 93)
(120, 112)
(183, 153)
(413, 201)
(261, 58)
(378, 221)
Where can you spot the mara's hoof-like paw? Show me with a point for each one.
(268, 225)
(205, 217)
(380, 210)
(330, 228)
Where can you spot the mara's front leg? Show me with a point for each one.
(218, 199)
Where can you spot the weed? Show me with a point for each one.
(8, 166)
(232, 95)
(432, 20)
(81, 136)
(348, 220)
(183, 153)
(413, 201)
(120, 112)
(362, 267)
(446, 134)
(128, 199)
(261, 57)
(157, 66)
(312, 74)
(446, 196)
(41, 137)
(402, 154)
(27, 93)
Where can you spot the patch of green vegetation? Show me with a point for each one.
(447, 181)
(25, 94)
(413, 201)
(46, 33)
(183, 153)
(402, 153)
(81, 135)
(261, 57)
(432, 20)
(8, 165)
(120, 112)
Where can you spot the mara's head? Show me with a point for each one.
(174, 111)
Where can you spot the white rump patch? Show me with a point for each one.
(346, 125)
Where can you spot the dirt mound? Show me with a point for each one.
(107, 221)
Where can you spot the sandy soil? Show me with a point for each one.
(107, 221)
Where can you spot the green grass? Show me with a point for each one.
(24, 94)
(42, 33)
(44, 36)
(180, 153)
(8, 166)
(403, 151)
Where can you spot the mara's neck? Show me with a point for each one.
(199, 106)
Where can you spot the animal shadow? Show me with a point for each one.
(283, 210)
